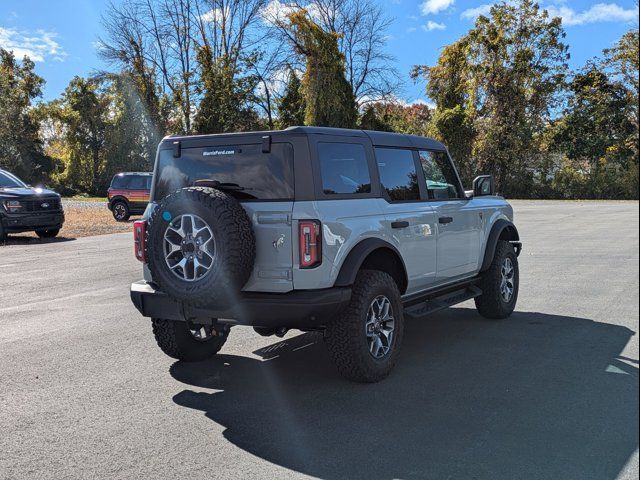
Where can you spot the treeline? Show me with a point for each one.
(505, 100)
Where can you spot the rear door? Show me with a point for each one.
(458, 223)
(407, 218)
(262, 182)
(138, 191)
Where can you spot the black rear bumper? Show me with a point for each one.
(303, 309)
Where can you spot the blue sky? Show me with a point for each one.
(60, 35)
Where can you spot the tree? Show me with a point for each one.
(593, 135)
(362, 27)
(226, 96)
(291, 106)
(21, 149)
(396, 117)
(623, 64)
(328, 95)
(518, 64)
(497, 87)
(83, 111)
(450, 85)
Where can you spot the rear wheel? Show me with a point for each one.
(48, 233)
(120, 211)
(188, 342)
(364, 342)
(500, 284)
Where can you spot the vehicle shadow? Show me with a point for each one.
(535, 396)
(33, 240)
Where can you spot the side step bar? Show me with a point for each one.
(440, 301)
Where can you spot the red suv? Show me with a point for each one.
(129, 194)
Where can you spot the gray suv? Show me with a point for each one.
(347, 232)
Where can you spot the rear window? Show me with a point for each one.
(344, 168)
(242, 169)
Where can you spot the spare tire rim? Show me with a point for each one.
(379, 326)
(189, 247)
(507, 276)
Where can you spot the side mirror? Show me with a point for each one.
(483, 186)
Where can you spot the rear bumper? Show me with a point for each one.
(28, 222)
(303, 309)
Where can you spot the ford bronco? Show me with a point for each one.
(348, 232)
(128, 194)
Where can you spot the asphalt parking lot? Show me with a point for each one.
(550, 393)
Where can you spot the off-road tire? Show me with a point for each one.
(491, 304)
(120, 211)
(175, 340)
(48, 233)
(346, 339)
(234, 242)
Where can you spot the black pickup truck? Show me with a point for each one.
(28, 209)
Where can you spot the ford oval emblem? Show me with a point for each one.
(44, 205)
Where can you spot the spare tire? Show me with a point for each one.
(200, 246)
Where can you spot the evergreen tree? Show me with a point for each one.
(328, 95)
(291, 106)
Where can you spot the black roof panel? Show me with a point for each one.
(377, 138)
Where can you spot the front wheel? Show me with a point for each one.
(500, 284)
(364, 342)
(48, 233)
(188, 342)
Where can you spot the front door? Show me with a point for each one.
(458, 223)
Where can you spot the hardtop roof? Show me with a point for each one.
(381, 139)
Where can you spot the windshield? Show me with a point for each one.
(9, 181)
(241, 170)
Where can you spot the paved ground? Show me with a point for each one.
(550, 393)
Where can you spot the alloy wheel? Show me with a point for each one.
(507, 276)
(379, 327)
(189, 247)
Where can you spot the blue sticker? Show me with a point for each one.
(166, 216)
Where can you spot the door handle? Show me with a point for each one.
(445, 220)
(399, 224)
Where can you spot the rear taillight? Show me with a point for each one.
(139, 233)
(310, 243)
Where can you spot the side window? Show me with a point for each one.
(442, 182)
(398, 174)
(148, 179)
(344, 168)
(120, 181)
(138, 182)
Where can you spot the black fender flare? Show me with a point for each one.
(117, 198)
(492, 241)
(356, 257)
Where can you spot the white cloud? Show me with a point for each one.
(473, 13)
(411, 29)
(38, 45)
(434, 6)
(215, 15)
(431, 25)
(600, 12)
(276, 12)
